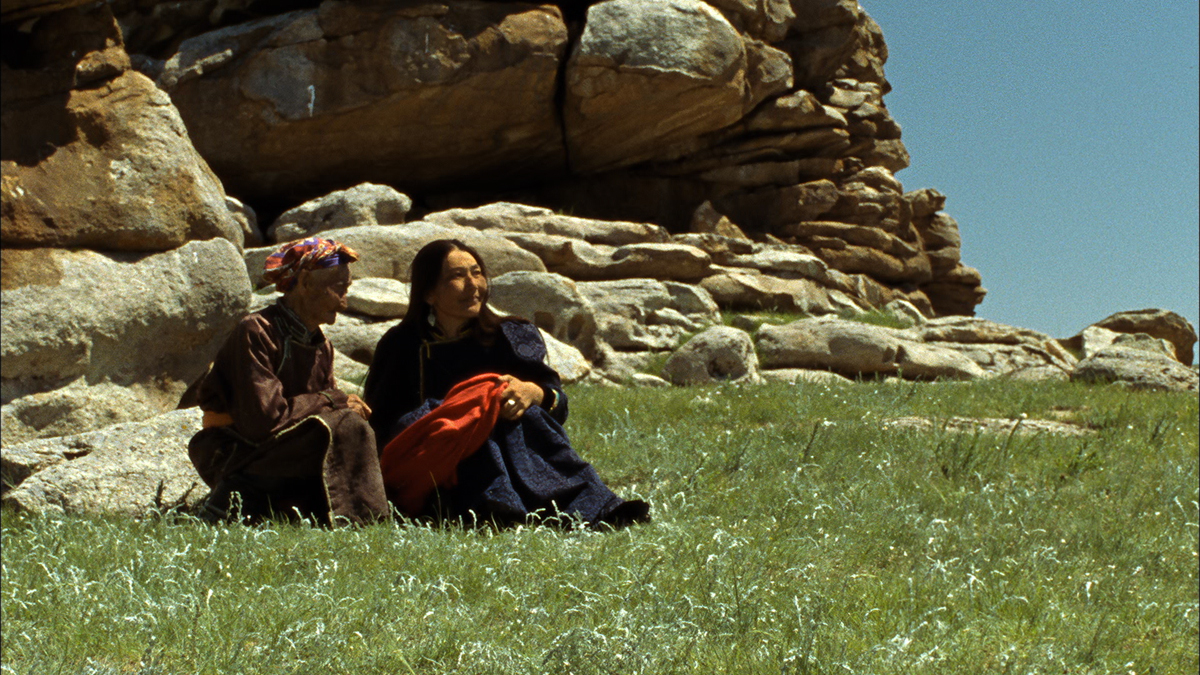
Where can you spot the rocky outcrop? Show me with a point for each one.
(356, 336)
(93, 154)
(509, 218)
(300, 103)
(80, 406)
(1138, 361)
(1156, 323)
(386, 251)
(647, 170)
(950, 348)
(121, 270)
(131, 469)
(999, 349)
(646, 314)
(715, 355)
(552, 302)
(365, 204)
(378, 298)
(153, 319)
(770, 115)
(646, 76)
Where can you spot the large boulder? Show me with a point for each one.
(997, 348)
(717, 354)
(645, 314)
(749, 289)
(767, 20)
(346, 369)
(649, 74)
(552, 302)
(94, 155)
(378, 298)
(128, 469)
(79, 407)
(1159, 323)
(386, 251)
(365, 204)
(841, 346)
(853, 349)
(355, 337)
(565, 359)
(1138, 361)
(414, 96)
(122, 318)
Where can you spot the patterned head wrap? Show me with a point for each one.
(284, 265)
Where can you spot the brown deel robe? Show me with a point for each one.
(293, 435)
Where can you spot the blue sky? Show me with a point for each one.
(1065, 138)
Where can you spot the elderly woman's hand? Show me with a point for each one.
(359, 406)
(518, 397)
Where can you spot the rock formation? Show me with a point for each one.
(637, 110)
(121, 266)
(636, 173)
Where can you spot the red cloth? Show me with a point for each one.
(425, 456)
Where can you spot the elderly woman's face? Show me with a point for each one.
(460, 290)
(324, 293)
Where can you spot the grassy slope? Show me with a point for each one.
(792, 535)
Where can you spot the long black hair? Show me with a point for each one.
(425, 273)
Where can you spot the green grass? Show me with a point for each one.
(791, 535)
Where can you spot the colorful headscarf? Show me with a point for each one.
(284, 265)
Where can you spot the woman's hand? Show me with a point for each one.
(518, 397)
(359, 406)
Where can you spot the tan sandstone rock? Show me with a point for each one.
(552, 302)
(717, 354)
(386, 251)
(647, 74)
(363, 204)
(157, 317)
(1159, 323)
(566, 360)
(521, 218)
(410, 96)
(751, 289)
(582, 261)
(93, 154)
(378, 298)
(646, 314)
(851, 348)
(80, 407)
(356, 337)
(999, 349)
(130, 469)
(1138, 361)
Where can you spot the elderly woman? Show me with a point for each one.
(277, 430)
(467, 413)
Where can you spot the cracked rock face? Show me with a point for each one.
(770, 112)
(129, 468)
(646, 74)
(303, 102)
(94, 155)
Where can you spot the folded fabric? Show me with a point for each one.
(425, 456)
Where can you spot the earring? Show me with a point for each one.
(432, 319)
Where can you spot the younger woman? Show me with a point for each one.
(467, 414)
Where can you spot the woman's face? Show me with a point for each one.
(460, 291)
